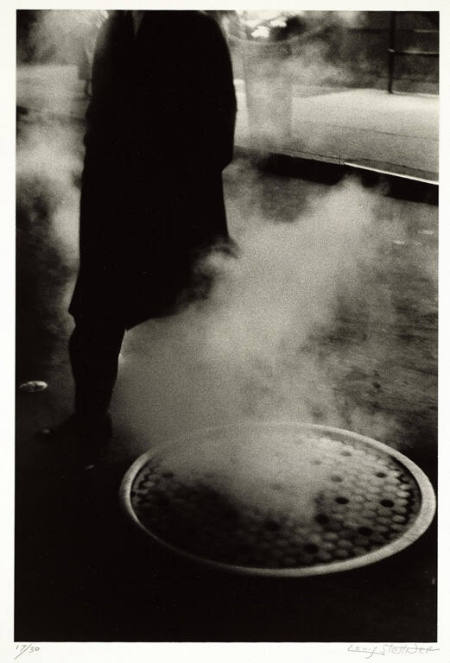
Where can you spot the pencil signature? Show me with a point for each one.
(25, 649)
(384, 649)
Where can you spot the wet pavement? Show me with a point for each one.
(83, 573)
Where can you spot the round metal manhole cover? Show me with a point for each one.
(279, 499)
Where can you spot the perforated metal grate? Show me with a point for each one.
(369, 501)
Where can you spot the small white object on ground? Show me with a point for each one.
(33, 385)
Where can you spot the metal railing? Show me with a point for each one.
(393, 52)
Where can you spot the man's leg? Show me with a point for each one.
(94, 350)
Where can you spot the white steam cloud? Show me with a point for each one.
(63, 35)
(251, 351)
(48, 167)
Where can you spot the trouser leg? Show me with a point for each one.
(94, 350)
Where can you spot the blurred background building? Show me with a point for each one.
(362, 48)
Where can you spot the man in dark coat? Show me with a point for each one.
(160, 131)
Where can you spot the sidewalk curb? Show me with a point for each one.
(392, 184)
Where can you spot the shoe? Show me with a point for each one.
(76, 426)
(67, 429)
(81, 441)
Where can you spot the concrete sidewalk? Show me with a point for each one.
(395, 133)
(363, 128)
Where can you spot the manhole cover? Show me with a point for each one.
(279, 499)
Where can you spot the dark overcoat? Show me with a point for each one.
(160, 128)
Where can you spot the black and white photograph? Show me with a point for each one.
(226, 328)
